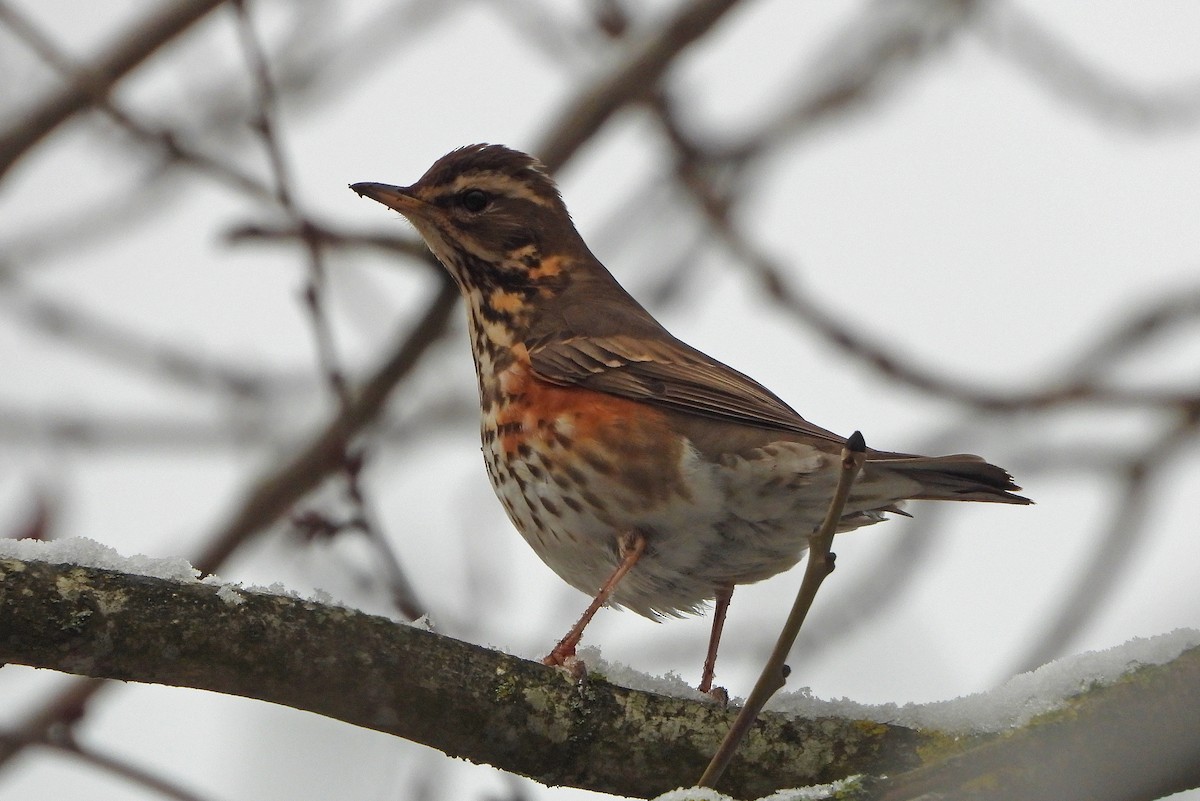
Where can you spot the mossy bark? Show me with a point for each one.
(1139, 738)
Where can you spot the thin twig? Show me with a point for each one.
(818, 565)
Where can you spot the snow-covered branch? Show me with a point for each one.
(1132, 738)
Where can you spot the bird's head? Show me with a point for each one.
(491, 215)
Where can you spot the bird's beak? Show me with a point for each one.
(399, 198)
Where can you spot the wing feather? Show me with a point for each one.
(670, 374)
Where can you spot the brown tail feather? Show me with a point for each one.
(961, 477)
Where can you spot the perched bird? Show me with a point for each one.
(642, 471)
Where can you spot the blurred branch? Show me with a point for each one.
(775, 280)
(261, 427)
(1109, 555)
(133, 432)
(265, 102)
(94, 81)
(860, 63)
(635, 74)
(264, 232)
(276, 492)
(352, 461)
(490, 707)
(123, 346)
(1070, 77)
(110, 764)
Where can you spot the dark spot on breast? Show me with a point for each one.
(550, 506)
(592, 500)
(598, 463)
(572, 504)
(576, 475)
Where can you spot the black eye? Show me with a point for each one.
(474, 200)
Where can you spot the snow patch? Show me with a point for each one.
(814, 793)
(670, 684)
(1012, 704)
(89, 553)
(230, 595)
(693, 794)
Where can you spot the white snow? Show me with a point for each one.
(89, 553)
(670, 684)
(230, 595)
(817, 791)
(1010, 705)
(1013, 703)
(692, 794)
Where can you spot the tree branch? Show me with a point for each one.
(526, 718)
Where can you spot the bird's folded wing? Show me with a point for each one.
(667, 373)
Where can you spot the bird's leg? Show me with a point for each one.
(724, 594)
(630, 548)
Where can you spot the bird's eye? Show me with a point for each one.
(474, 200)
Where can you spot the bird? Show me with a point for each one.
(645, 473)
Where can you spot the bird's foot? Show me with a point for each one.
(565, 658)
(576, 668)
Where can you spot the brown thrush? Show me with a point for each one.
(642, 471)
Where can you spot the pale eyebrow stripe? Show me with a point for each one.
(497, 183)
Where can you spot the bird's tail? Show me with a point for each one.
(961, 477)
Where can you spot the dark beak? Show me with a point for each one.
(394, 197)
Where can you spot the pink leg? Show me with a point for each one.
(632, 547)
(724, 594)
